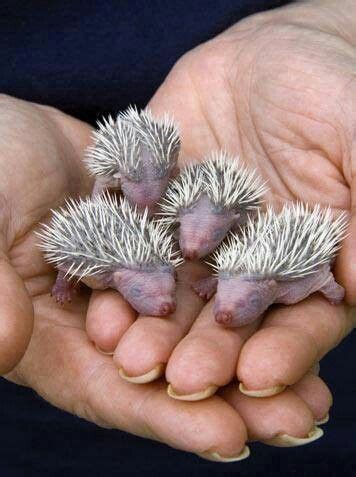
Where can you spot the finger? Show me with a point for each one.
(94, 391)
(285, 420)
(145, 348)
(316, 395)
(16, 317)
(206, 358)
(290, 341)
(108, 317)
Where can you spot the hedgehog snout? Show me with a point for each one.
(192, 249)
(167, 308)
(223, 318)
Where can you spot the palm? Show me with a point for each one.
(42, 164)
(274, 103)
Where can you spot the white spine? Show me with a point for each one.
(288, 245)
(160, 136)
(223, 179)
(230, 184)
(93, 236)
(116, 149)
(182, 192)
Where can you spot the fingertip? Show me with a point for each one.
(316, 394)
(108, 317)
(273, 358)
(205, 427)
(145, 345)
(282, 414)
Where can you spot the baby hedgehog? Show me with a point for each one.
(107, 244)
(208, 199)
(277, 258)
(135, 153)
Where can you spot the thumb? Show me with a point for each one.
(16, 317)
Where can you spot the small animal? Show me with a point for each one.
(135, 153)
(106, 243)
(276, 258)
(208, 199)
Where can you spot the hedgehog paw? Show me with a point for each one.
(63, 290)
(206, 287)
(332, 291)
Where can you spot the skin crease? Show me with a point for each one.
(230, 110)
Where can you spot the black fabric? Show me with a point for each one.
(92, 57)
(89, 58)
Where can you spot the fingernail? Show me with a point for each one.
(107, 353)
(216, 457)
(262, 392)
(285, 440)
(324, 420)
(155, 373)
(199, 396)
(315, 369)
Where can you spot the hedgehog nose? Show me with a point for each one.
(167, 308)
(223, 318)
(190, 254)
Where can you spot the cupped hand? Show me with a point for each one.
(278, 89)
(41, 154)
(40, 159)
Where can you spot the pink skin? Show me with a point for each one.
(63, 289)
(241, 300)
(206, 287)
(203, 227)
(144, 191)
(148, 292)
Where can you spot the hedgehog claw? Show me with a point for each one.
(205, 288)
(63, 289)
(223, 318)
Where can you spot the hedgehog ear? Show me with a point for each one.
(271, 283)
(117, 175)
(117, 276)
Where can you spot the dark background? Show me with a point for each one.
(89, 58)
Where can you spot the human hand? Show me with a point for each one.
(278, 89)
(41, 154)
